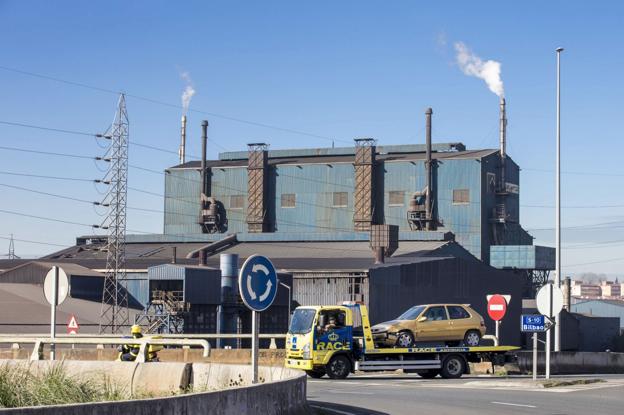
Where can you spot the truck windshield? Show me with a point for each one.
(412, 313)
(302, 321)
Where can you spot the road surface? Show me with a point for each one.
(399, 394)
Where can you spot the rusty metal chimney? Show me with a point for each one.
(428, 167)
(503, 142)
(182, 150)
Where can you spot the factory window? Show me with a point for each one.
(461, 196)
(340, 199)
(237, 201)
(396, 198)
(288, 200)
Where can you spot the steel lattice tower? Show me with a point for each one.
(114, 316)
(12, 249)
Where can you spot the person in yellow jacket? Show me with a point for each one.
(129, 352)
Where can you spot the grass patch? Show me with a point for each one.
(19, 387)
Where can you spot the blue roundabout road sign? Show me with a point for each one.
(257, 283)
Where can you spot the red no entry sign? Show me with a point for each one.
(497, 307)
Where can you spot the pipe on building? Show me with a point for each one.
(567, 294)
(214, 246)
(428, 166)
(182, 151)
(503, 142)
(174, 254)
(226, 312)
(380, 255)
(204, 176)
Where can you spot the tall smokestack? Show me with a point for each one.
(428, 210)
(204, 177)
(503, 141)
(182, 150)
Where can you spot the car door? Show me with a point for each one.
(459, 320)
(436, 325)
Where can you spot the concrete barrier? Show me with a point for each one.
(574, 362)
(282, 391)
(129, 378)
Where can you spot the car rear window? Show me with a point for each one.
(456, 312)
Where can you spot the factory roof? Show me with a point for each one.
(344, 158)
(34, 272)
(336, 255)
(24, 309)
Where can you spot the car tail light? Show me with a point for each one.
(482, 323)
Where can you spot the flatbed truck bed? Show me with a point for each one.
(339, 352)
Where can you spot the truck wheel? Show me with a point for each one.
(453, 366)
(338, 367)
(405, 339)
(316, 374)
(428, 374)
(472, 338)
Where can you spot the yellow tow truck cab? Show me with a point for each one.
(337, 340)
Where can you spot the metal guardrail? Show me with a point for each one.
(144, 343)
(164, 336)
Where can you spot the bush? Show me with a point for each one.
(19, 387)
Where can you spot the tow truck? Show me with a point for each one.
(348, 345)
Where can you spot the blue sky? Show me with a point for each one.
(333, 69)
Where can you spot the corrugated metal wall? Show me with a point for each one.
(138, 287)
(395, 288)
(314, 186)
(231, 182)
(316, 288)
(182, 188)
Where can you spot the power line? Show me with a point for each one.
(583, 173)
(49, 153)
(40, 176)
(33, 242)
(167, 104)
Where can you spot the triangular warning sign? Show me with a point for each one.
(72, 325)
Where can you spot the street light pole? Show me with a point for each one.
(289, 300)
(558, 202)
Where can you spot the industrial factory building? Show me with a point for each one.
(387, 225)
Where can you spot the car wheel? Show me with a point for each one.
(405, 339)
(428, 374)
(472, 338)
(453, 366)
(338, 367)
(316, 374)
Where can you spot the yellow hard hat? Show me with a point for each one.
(136, 329)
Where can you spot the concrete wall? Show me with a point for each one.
(283, 391)
(573, 362)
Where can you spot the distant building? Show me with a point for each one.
(601, 308)
(610, 289)
(585, 290)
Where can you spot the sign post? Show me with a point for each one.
(533, 324)
(549, 301)
(497, 307)
(257, 284)
(55, 289)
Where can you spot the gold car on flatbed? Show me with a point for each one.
(448, 323)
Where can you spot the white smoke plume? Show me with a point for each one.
(472, 65)
(188, 92)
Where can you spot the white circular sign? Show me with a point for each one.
(63, 286)
(549, 300)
